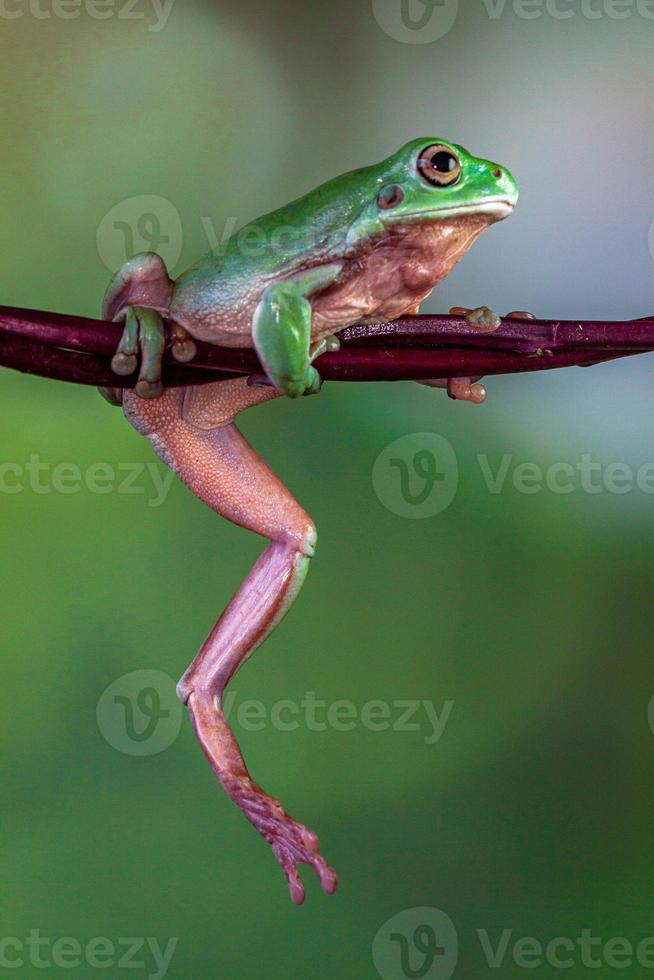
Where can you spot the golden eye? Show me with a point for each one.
(439, 166)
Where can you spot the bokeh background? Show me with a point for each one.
(528, 613)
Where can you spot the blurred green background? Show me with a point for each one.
(530, 614)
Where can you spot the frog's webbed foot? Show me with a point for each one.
(144, 335)
(292, 843)
(138, 295)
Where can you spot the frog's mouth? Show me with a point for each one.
(496, 209)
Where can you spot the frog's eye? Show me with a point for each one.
(390, 196)
(439, 166)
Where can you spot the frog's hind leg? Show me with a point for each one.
(194, 433)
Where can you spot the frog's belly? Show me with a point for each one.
(224, 318)
(376, 290)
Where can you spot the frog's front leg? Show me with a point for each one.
(281, 330)
(138, 295)
(195, 435)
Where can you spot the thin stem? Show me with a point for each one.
(79, 349)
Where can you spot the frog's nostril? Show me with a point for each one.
(497, 173)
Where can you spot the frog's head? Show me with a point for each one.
(430, 179)
(432, 182)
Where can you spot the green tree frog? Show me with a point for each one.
(366, 247)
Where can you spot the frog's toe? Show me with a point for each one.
(466, 390)
(310, 384)
(183, 347)
(292, 843)
(148, 389)
(124, 364)
(314, 382)
(324, 346)
(520, 315)
(125, 359)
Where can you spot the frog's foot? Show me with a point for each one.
(292, 843)
(143, 334)
(482, 318)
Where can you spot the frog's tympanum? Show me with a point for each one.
(366, 247)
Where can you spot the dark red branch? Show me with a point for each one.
(78, 349)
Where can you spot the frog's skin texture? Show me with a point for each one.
(366, 247)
